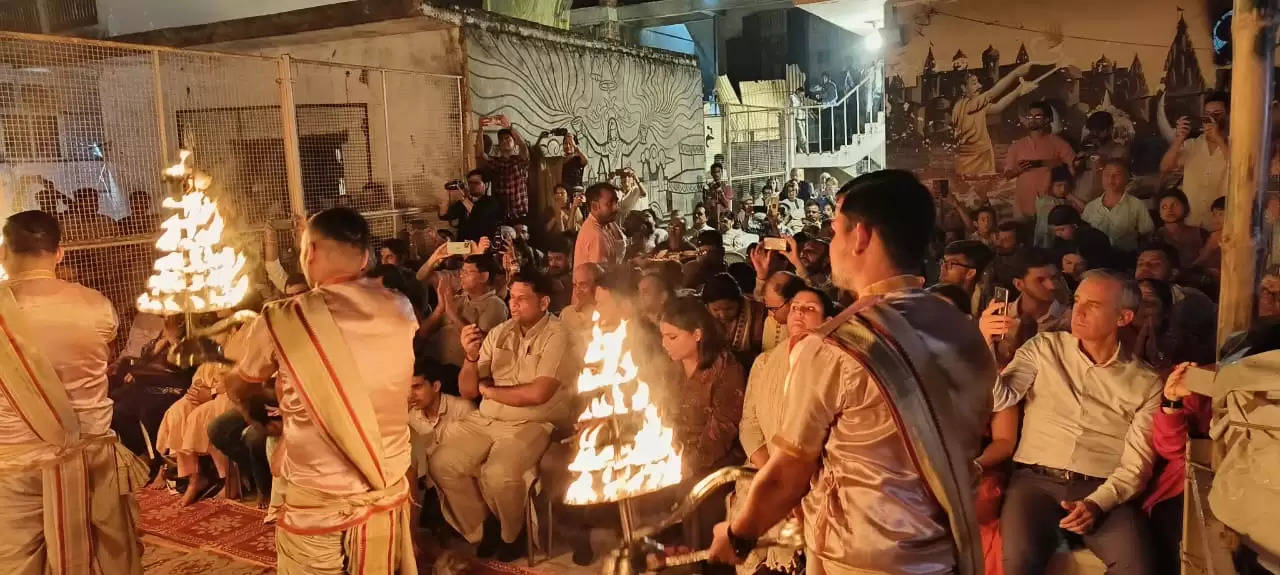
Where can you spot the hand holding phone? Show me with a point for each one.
(458, 248)
(774, 244)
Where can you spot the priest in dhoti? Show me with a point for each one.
(66, 483)
(344, 353)
(885, 407)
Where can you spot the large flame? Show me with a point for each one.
(197, 272)
(623, 466)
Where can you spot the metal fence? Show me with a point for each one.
(86, 128)
(755, 146)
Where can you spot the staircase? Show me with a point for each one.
(851, 157)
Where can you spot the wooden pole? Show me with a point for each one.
(1254, 36)
(292, 154)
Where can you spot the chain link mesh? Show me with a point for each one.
(86, 128)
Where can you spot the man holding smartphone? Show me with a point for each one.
(1031, 158)
(1203, 159)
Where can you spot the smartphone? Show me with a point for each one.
(775, 244)
(943, 186)
(1001, 294)
(497, 120)
(458, 248)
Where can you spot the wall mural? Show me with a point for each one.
(625, 110)
(955, 98)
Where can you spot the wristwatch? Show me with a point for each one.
(1171, 403)
(741, 545)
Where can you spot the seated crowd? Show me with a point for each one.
(1088, 309)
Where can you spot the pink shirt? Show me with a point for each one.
(1169, 436)
(73, 327)
(378, 326)
(1035, 181)
(601, 244)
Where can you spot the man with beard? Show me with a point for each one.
(476, 214)
(811, 262)
(1032, 158)
(560, 272)
(601, 240)
(868, 397)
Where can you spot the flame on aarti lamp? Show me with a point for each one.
(625, 467)
(198, 272)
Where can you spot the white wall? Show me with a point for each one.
(627, 109)
(130, 16)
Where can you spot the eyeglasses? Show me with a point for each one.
(773, 308)
(956, 264)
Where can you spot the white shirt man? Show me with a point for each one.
(1085, 449)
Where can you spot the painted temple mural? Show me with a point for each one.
(957, 89)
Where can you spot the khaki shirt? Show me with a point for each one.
(512, 358)
(1086, 417)
(425, 432)
(486, 311)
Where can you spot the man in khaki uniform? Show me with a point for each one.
(484, 462)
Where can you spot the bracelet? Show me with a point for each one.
(1171, 403)
(471, 360)
(978, 465)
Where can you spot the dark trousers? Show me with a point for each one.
(144, 401)
(244, 445)
(1166, 526)
(1029, 525)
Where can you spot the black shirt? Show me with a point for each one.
(571, 172)
(482, 221)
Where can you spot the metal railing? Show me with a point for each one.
(831, 121)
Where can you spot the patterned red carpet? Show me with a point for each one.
(215, 525)
(228, 530)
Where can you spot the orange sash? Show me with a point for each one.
(34, 391)
(320, 365)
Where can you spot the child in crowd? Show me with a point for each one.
(985, 222)
(1173, 207)
(1061, 187)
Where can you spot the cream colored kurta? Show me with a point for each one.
(67, 509)
(72, 326)
(378, 327)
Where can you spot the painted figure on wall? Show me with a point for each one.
(974, 153)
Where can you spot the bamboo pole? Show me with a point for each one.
(292, 153)
(1254, 36)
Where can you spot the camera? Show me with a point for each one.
(454, 185)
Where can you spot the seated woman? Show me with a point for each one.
(741, 319)
(761, 415)
(704, 404)
(184, 433)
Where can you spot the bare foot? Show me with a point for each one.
(196, 484)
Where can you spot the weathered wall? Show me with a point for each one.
(413, 125)
(129, 16)
(628, 107)
(1147, 62)
(431, 51)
